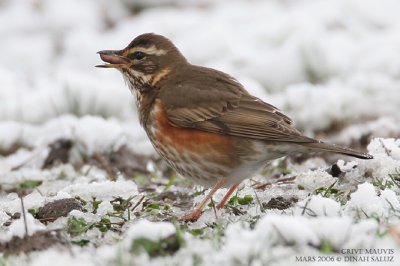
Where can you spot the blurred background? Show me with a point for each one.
(333, 66)
(69, 133)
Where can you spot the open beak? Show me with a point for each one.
(113, 58)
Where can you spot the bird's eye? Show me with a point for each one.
(138, 55)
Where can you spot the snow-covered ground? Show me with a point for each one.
(333, 66)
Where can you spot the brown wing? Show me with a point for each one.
(217, 103)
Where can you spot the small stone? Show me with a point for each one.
(58, 208)
(335, 171)
(280, 203)
(59, 153)
(40, 240)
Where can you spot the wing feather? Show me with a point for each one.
(220, 104)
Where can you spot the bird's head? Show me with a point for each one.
(145, 61)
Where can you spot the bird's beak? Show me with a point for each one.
(113, 58)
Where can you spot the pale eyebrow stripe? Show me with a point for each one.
(150, 50)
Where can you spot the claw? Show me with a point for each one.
(191, 217)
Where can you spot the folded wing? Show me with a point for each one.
(219, 104)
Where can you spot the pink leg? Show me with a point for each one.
(195, 215)
(227, 196)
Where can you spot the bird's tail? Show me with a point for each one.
(325, 147)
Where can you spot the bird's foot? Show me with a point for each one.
(226, 197)
(221, 205)
(191, 217)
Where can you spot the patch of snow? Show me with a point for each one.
(319, 206)
(12, 205)
(390, 147)
(104, 190)
(153, 231)
(366, 202)
(63, 258)
(104, 208)
(17, 227)
(312, 180)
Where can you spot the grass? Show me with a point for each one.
(77, 225)
(121, 210)
(163, 247)
(392, 181)
(81, 242)
(30, 184)
(170, 182)
(236, 200)
(395, 177)
(326, 247)
(327, 192)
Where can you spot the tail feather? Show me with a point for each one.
(322, 146)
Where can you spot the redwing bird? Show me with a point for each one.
(202, 121)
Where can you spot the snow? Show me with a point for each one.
(315, 179)
(320, 206)
(384, 127)
(149, 230)
(104, 208)
(62, 259)
(104, 190)
(17, 228)
(366, 202)
(88, 130)
(391, 147)
(13, 204)
(332, 66)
